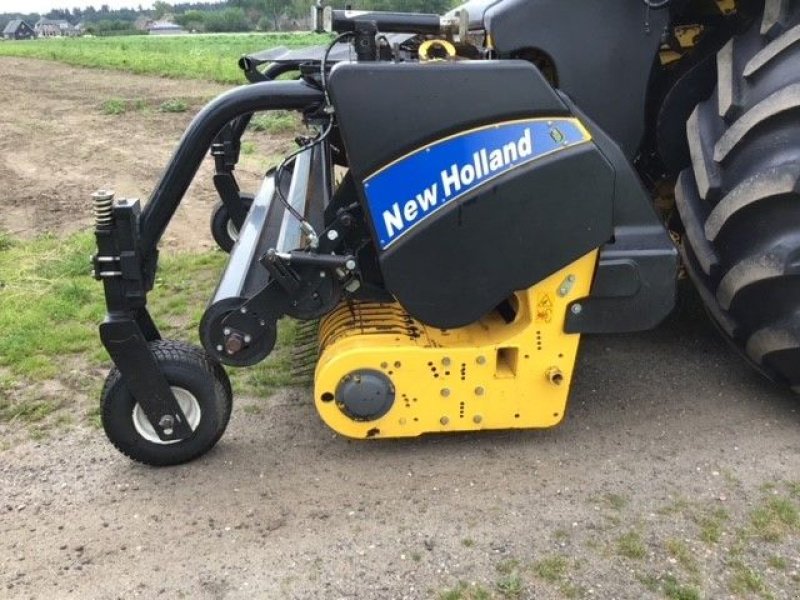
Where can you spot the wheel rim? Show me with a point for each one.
(191, 410)
(231, 230)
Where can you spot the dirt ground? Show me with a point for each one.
(58, 147)
(675, 472)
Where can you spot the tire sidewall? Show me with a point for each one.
(219, 228)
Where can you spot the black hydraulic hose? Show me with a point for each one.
(197, 139)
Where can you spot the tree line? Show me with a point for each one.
(233, 15)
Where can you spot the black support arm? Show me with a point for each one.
(269, 95)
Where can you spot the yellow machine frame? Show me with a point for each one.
(491, 374)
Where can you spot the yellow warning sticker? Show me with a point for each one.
(544, 307)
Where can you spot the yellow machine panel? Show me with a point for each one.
(511, 369)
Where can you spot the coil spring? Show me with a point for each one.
(102, 204)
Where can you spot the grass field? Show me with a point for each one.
(203, 56)
(54, 340)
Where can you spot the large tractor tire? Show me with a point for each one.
(740, 200)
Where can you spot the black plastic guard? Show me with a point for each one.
(517, 226)
(635, 282)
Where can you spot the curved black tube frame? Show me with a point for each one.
(194, 145)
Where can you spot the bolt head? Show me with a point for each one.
(333, 235)
(444, 420)
(445, 392)
(576, 309)
(350, 265)
(481, 360)
(166, 422)
(477, 419)
(479, 391)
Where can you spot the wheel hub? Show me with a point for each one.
(189, 406)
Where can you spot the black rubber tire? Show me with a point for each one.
(219, 224)
(740, 200)
(184, 366)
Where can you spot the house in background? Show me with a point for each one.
(143, 23)
(55, 28)
(165, 28)
(18, 30)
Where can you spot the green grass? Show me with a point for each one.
(778, 562)
(711, 525)
(465, 592)
(745, 581)
(114, 106)
(209, 57)
(551, 569)
(510, 586)
(173, 105)
(275, 122)
(674, 590)
(50, 308)
(678, 550)
(630, 545)
(775, 518)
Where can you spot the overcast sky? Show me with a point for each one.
(45, 6)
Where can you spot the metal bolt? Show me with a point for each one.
(554, 375)
(576, 309)
(481, 360)
(446, 361)
(445, 392)
(166, 423)
(444, 420)
(243, 310)
(477, 419)
(333, 235)
(219, 348)
(479, 391)
(234, 343)
(247, 339)
(350, 264)
(226, 331)
(322, 274)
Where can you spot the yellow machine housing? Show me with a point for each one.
(497, 373)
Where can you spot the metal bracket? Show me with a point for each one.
(130, 351)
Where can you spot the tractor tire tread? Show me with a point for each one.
(739, 201)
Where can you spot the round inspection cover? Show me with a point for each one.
(365, 395)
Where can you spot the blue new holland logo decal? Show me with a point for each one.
(407, 191)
